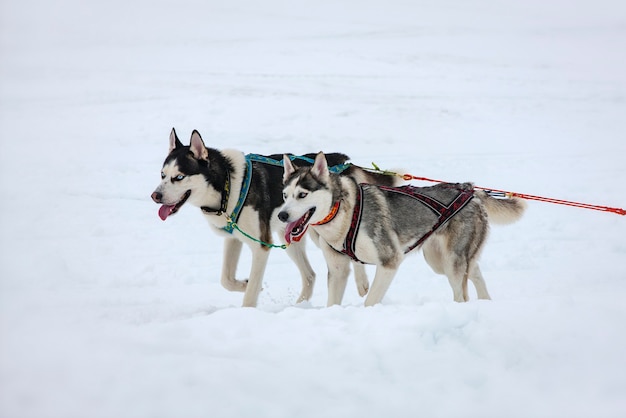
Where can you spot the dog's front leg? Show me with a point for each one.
(360, 277)
(382, 280)
(338, 271)
(296, 251)
(259, 261)
(232, 250)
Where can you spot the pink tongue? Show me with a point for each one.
(165, 211)
(288, 230)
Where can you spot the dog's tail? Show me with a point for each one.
(361, 175)
(502, 211)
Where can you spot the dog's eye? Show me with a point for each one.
(284, 196)
(302, 195)
(178, 177)
(162, 175)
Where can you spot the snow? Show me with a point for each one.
(106, 311)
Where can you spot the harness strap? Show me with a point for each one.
(270, 161)
(243, 194)
(443, 211)
(355, 223)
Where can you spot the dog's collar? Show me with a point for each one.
(331, 215)
(225, 196)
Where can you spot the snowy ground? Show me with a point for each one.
(106, 311)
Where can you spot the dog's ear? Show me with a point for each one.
(289, 168)
(174, 141)
(197, 147)
(320, 168)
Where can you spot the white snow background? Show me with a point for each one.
(106, 311)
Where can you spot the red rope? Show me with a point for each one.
(619, 211)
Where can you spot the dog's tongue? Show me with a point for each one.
(165, 211)
(288, 230)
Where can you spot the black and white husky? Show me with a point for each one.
(228, 187)
(378, 225)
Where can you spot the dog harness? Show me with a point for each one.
(245, 186)
(443, 211)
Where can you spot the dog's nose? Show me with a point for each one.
(157, 197)
(283, 216)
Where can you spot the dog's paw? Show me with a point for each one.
(363, 288)
(234, 285)
(306, 293)
(304, 297)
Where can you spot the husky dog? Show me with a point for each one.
(230, 186)
(379, 225)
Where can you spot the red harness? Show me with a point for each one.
(443, 211)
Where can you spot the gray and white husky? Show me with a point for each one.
(378, 225)
(228, 185)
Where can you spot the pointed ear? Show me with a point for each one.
(174, 141)
(197, 146)
(289, 168)
(320, 168)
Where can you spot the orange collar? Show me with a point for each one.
(331, 215)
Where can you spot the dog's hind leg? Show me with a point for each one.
(296, 251)
(382, 280)
(232, 250)
(259, 261)
(360, 277)
(457, 270)
(465, 292)
(433, 255)
(479, 282)
(443, 261)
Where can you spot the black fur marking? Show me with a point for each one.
(310, 183)
(214, 171)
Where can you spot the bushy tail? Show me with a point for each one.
(502, 211)
(361, 175)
